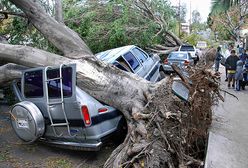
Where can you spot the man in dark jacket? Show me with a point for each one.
(218, 57)
(231, 64)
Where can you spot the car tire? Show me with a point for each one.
(121, 132)
(196, 60)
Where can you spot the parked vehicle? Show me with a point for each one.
(133, 59)
(191, 49)
(178, 58)
(201, 44)
(53, 109)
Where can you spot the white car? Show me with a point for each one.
(191, 49)
(201, 44)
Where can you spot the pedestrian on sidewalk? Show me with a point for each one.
(218, 58)
(231, 65)
(239, 75)
(243, 56)
(227, 54)
(245, 73)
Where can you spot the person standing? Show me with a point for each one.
(243, 56)
(227, 54)
(245, 74)
(239, 75)
(218, 57)
(231, 65)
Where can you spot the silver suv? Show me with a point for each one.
(53, 109)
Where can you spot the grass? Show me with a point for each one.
(4, 156)
(56, 162)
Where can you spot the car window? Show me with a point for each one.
(140, 54)
(187, 48)
(33, 84)
(133, 62)
(178, 56)
(120, 66)
(54, 85)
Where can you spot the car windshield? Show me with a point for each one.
(187, 48)
(181, 56)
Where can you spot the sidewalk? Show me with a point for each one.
(228, 137)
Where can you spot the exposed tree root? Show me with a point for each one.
(175, 133)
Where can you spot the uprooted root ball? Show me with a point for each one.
(171, 132)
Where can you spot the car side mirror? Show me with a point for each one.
(180, 90)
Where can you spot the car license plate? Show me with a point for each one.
(22, 124)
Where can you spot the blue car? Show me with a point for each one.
(179, 58)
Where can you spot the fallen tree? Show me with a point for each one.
(163, 131)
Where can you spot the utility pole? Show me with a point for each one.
(190, 17)
(179, 11)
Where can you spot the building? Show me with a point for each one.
(185, 27)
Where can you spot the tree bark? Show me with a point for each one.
(65, 39)
(9, 72)
(164, 51)
(59, 11)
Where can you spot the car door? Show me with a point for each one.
(132, 62)
(66, 95)
(150, 65)
(34, 90)
(143, 59)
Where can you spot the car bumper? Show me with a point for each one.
(84, 146)
(195, 58)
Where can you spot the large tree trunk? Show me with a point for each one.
(9, 72)
(158, 130)
(59, 11)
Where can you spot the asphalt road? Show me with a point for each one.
(228, 139)
(15, 154)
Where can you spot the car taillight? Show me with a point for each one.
(102, 110)
(186, 62)
(86, 115)
(165, 61)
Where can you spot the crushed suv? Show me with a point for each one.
(53, 109)
(133, 59)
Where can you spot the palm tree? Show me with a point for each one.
(224, 8)
(223, 5)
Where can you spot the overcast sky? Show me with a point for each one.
(203, 6)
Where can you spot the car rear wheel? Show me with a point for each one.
(121, 132)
